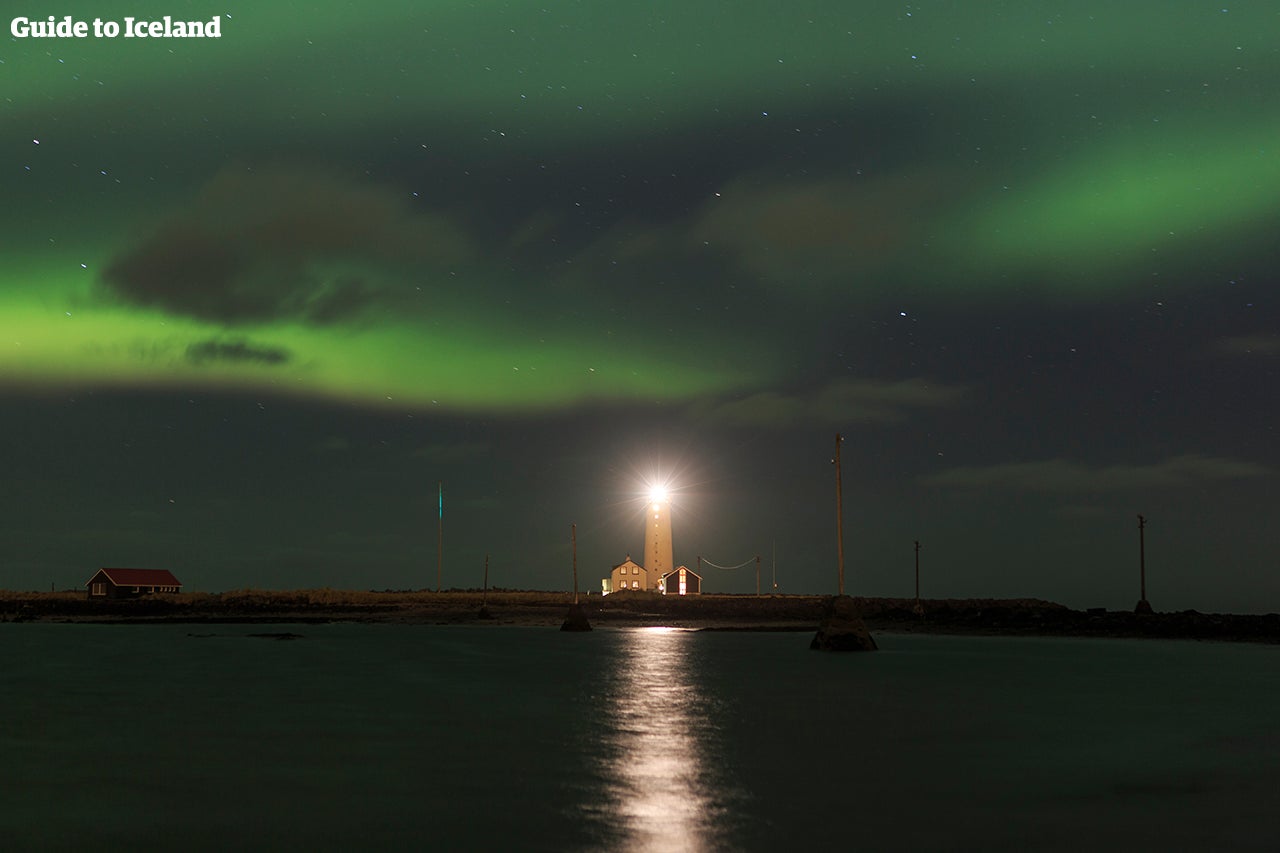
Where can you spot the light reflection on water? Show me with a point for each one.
(659, 790)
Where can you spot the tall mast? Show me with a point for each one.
(440, 536)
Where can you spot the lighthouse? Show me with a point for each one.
(659, 572)
(658, 559)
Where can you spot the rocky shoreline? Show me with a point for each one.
(991, 617)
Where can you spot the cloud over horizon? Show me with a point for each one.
(857, 401)
(1249, 345)
(1061, 475)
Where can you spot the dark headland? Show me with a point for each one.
(993, 617)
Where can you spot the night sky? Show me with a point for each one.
(260, 294)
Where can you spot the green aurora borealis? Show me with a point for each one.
(1010, 250)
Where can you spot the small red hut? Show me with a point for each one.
(131, 583)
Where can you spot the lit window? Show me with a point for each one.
(635, 570)
(635, 584)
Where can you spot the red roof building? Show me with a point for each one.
(131, 583)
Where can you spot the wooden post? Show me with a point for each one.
(484, 596)
(577, 619)
(839, 519)
(917, 573)
(573, 540)
(842, 628)
(1142, 558)
(1143, 605)
(775, 567)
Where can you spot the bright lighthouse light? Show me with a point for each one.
(658, 494)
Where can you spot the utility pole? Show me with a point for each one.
(484, 596)
(842, 628)
(576, 620)
(1142, 557)
(440, 536)
(775, 567)
(757, 574)
(1143, 605)
(839, 518)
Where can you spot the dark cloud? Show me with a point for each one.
(446, 452)
(840, 402)
(333, 444)
(1249, 345)
(1060, 475)
(240, 351)
(829, 236)
(259, 246)
(824, 228)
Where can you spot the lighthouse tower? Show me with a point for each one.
(657, 537)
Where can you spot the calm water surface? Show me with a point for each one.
(435, 738)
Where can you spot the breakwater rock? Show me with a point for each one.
(842, 629)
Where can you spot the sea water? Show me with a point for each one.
(398, 737)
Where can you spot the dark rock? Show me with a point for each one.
(842, 629)
(576, 620)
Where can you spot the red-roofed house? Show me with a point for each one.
(131, 583)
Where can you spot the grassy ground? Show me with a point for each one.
(1009, 617)
(524, 606)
